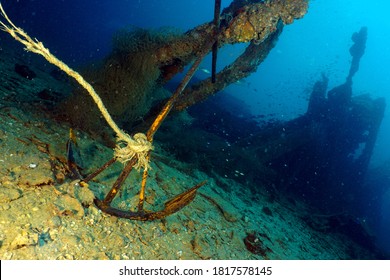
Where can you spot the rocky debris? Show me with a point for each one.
(8, 195)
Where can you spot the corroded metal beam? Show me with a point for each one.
(254, 21)
(242, 21)
(242, 67)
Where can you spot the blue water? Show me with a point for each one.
(80, 31)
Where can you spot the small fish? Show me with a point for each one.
(204, 70)
(242, 83)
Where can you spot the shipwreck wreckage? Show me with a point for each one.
(256, 22)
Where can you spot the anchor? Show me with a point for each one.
(171, 206)
(179, 201)
(131, 158)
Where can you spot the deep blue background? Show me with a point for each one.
(79, 31)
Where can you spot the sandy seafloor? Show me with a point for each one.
(46, 215)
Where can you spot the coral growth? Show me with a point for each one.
(135, 39)
(127, 81)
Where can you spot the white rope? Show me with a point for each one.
(127, 147)
(140, 147)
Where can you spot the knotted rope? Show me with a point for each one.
(139, 147)
(127, 147)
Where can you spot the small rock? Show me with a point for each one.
(55, 222)
(23, 240)
(191, 225)
(8, 195)
(66, 257)
(68, 205)
(32, 165)
(85, 196)
(4, 207)
(100, 256)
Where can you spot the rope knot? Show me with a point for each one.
(138, 146)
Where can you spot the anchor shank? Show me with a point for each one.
(118, 183)
(168, 106)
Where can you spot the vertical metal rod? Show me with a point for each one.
(217, 12)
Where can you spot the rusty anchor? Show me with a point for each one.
(171, 206)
